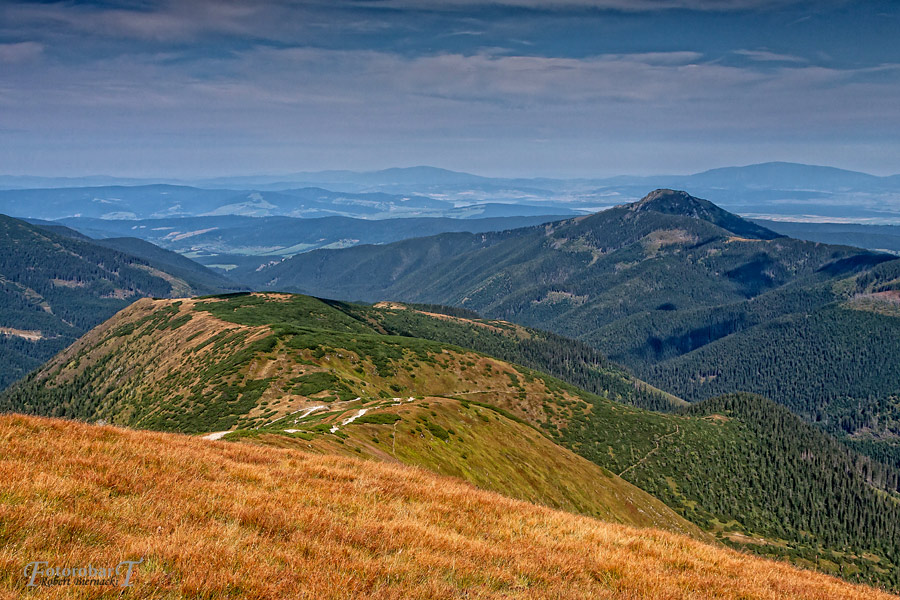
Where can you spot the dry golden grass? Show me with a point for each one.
(218, 519)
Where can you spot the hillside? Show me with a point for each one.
(257, 378)
(294, 371)
(56, 284)
(239, 245)
(216, 520)
(695, 300)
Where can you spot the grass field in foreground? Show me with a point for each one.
(220, 520)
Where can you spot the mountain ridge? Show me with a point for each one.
(690, 307)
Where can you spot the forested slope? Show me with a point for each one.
(55, 285)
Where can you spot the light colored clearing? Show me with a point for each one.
(554, 297)
(349, 420)
(884, 303)
(308, 411)
(669, 237)
(740, 538)
(716, 417)
(399, 401)
(484, 324)
(390, 305)
(119, 293)
(216, 435)
(742, 239)
(176, 236)
(888, 296)
(28, 334)
(69, 283)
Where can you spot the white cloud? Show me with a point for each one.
(137, 84)
(619, 5)
(20, 52)
(767, 56)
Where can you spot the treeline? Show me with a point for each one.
(62, 284)
(569, 360)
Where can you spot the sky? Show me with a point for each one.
(526, 88)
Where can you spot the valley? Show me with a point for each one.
(674, 308)
(468, 300)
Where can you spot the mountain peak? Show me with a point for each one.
(678, 202)
(674, 202)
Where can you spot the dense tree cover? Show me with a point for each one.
(61, 284)
(741, 464)
(834, 366)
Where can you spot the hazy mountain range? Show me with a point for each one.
(783, 191)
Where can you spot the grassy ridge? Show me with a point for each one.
(477, 444)
(230, 520)
(278, 355)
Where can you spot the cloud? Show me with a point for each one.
(767, 56)
(20, 52)
(160, 21)
(364, 94)
(617, 5)
(287, 79)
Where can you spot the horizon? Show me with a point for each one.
(199, 179)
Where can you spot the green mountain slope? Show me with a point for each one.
(55, 285)
(180, 366)
(300, 372)
(695, 300)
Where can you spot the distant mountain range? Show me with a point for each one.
(874, 237)
(238, 245)
(777, 189)
(158, 201)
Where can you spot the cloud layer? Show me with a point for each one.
(219, 87)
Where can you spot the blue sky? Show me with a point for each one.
(512, 87)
